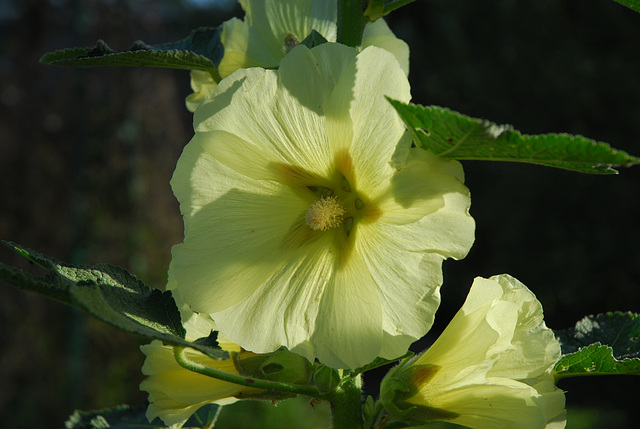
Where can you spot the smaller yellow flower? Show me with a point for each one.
(175, 393)
(492, 367)
(272, 28)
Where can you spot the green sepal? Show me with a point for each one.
(452, 135)
(326, 379)
(200, 50)
(378, 362)
(109, 293)
(402, 383)
(313, 39)
(604, 344)
(371, 411)
(282, 366)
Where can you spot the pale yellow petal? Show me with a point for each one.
(203, 85)
(425, 184)
(298, 18)
(407, 283)
(280, 131)
(377, 128)
(348, 328)
(233, 246)
(285, 306)
(378, 34)
(235, 39)
(535, 347)
(509, 405)
(262, 39)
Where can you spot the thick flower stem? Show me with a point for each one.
(351, 22)
(346, 405)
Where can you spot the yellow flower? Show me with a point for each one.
(271, 28)
(490, 368)
(175, 393)
(300, 228)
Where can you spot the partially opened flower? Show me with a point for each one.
(271, 28)
(300, 230)
(175, 393)
(492, 367)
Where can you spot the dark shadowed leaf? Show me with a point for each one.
(607, 343)
(201, 50)
(111, 294)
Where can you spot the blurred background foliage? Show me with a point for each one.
(86, 156)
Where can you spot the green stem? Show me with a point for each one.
(346, 405)
(185, 362)
(351, 22)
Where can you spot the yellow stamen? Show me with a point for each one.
(324, 214)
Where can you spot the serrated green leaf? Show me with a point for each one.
(201, 50)
(22, 280)
(111, 294)
(632, 4)
(607, 343)
(619, 330)
(595, 359)
(452, 135)
(127, 417)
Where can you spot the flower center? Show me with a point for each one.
(290, 42)
(324, 214)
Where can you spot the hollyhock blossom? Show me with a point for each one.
(492, 367)
(309, 221)
(175, 393)
(271, 28)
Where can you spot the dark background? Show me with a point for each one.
(86, 156)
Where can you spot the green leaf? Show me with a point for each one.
(379, 362)
(376, 9)
(127, 417)
(632, 4)
(109, 293)
(313, 39)
(619, 330)
(120, 417)
(452, 135)
(201, 50)
(595, 359)
(584, 352)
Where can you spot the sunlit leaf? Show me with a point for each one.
(452, 135)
